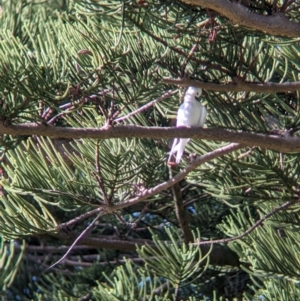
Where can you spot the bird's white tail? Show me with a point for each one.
(178, 148)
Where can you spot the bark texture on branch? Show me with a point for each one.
(283, 144)
(275, 25)
(236, 86)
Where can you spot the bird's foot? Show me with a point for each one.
(193, 157)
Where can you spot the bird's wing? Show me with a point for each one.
(184, 114)
(202, 116)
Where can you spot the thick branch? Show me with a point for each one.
(236, 86)
(276, 24)
(283, 144)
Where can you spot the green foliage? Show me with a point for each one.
(11, 254)
(128, 283)
(270, 253)
(178, 264)
(279, 289)
(84, 63)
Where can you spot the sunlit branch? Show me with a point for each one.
(236, 86)
(279, 143)
(276, 24)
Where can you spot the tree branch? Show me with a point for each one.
(76, 241)
(276, 24)
(237, 86)
(283, 144)
(257, 224)
(286, 4)
(180, 176)
(79, 218)
(180, 211)
(146, 106)
(220, 255)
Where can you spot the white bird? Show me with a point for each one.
(190, 113)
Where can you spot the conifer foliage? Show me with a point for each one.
(90, 209)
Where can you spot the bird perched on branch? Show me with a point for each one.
(190, 113)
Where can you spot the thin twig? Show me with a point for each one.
(98, 176)
(47, 113)
(80, 218)
(247, 153)
(180, 211)
(76, 240)
(57, 116)
(67, 108)
(146, 106)
(196, 199)
(117, 215)
(257, 224)
(286, 4)
(188, 57)
(111, 113)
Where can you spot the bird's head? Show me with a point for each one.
(193, 92)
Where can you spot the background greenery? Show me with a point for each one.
(75, 63)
